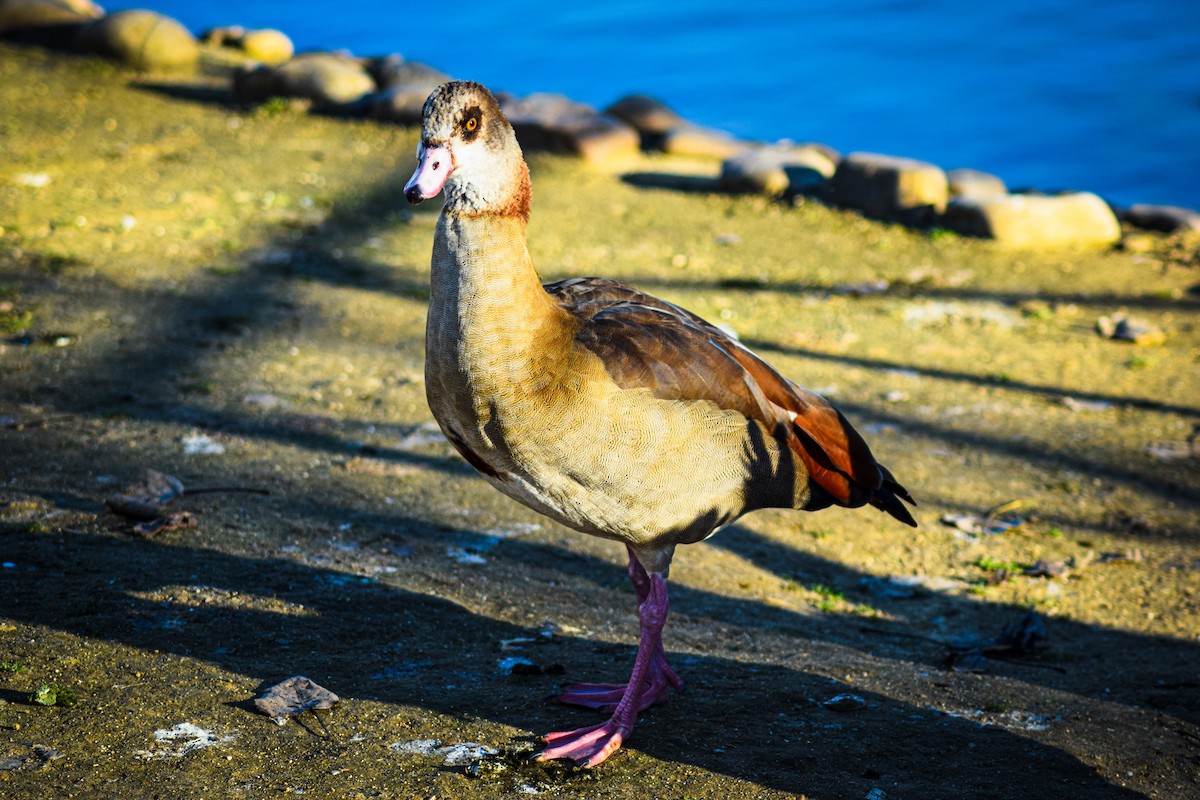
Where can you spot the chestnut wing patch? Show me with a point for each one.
(647, 343)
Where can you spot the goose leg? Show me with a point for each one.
(606, 696)
(589, 746)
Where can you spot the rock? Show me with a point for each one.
(405, 85)
(268, 46)
(393, 70)
(974, 184)
(1162, 218)
(144, 40)
(776, 169)
(54, 22)
(650, 117)
(889, 187)
(1026, 220)
(327, 79)
(696, 140)
(223, 36)
(1121, 328)
(557, 124)
(845, 703)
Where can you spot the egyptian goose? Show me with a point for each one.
(611, 411)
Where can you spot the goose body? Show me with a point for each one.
(618, 414)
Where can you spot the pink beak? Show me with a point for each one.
(433, 168)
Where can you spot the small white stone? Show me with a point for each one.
(34, 179)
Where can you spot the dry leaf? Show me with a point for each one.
(1026, 634)
(967, 661)
(144, 499)
(170, 521)
(294, 696)
(1048, 569)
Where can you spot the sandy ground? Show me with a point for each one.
(237, 299)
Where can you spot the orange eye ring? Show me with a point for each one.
(472, 124)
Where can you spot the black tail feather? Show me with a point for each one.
(888, 496)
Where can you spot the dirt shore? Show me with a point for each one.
(237, 298)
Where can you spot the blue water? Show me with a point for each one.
(1102, 95)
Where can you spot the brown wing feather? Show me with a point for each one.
(648, 343)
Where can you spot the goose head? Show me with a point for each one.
(468, 149)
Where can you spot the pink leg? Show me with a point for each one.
(589, 746)
(606, 696)
(637, 576)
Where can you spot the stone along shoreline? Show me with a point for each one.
(260, 67)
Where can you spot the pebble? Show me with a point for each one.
(38, 757)
(845, 703)
(890, 188)
(1174, 451)
(1086, 405)
(932, 313)
(557, 124)
(1030, 220)
(423, 435)
(263, 401)
(508, 665)
(141, 39)
(199, 444)
(1121, 328)
(865, 288)
(901, 587)
(463, 556)
(978, 526)
(35, 179)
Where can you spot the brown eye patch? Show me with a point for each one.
(470, 123)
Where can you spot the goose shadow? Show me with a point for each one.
(95, 586)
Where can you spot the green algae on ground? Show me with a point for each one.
(51, 694)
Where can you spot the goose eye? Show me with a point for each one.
(472, 124)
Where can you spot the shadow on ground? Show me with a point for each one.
(370, 640)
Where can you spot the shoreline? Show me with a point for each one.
(949, 115)
(561, 125)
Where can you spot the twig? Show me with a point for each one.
(212, 489)
(992, 653)
(903, 635)
(1020, 663)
